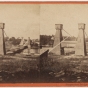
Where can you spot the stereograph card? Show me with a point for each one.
(43, 44)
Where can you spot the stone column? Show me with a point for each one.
(22, 42)
(80, 48)
(29, 46)
(2, 42)
(57, 39)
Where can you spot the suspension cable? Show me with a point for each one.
(86, 34)
(68, 33)
(5, 33)
(59, 43)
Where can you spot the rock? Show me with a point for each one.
(63, 79)
(51, 73)
(61, 73)
(1, 78)
(79, 80)
(78, 77)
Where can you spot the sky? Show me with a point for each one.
(31, 20)
(67, 14)
(21, 20)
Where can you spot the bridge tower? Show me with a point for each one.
(57, 39)
(22, 42)
(27, 44)
(2, 42)
(80, 48)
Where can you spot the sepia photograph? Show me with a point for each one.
(19, 43)
(64, 34)
(43, 43)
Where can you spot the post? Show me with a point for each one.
(57, 39)
(29, 46)
(2, 42)
(80, 48)
(22, 42)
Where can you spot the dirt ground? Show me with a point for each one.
(56, 69)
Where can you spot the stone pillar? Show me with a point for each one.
(80, 48)
(29, 46)
(22, 42)
(2, 42)
(57, 39)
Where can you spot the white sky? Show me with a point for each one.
(67, 14)
(21, 20)
(31, 20)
